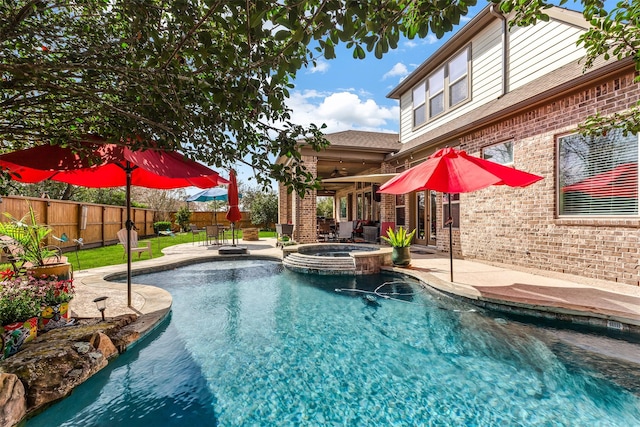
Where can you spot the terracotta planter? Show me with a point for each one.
(401, 256)
(62, 270)
(53, 316)
(15, 335)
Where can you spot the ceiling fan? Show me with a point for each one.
(339, 172)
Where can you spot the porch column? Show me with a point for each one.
(285, 215)
(387, 204)
(304, 209)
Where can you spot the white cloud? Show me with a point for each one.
(320, 67)
(417, 42)
(342, 111)
(397, 70)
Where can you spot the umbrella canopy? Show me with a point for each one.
(620, 181)
(209, 195)
(233, 214)
(454, 171)
(113, 166)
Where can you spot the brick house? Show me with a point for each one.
(516, 96)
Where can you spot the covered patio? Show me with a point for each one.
(351, 169)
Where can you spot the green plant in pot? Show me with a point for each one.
(24, 242)
(400, 241)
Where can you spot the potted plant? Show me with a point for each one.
(24, 242)
(55, 295)
(19, 311)
(400, 241)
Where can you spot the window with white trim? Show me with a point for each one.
(459, 78)
(501, 153)
(444, 89)
(419, 105)
(436, 93)
(598, 175)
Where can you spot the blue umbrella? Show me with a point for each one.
(210, 194)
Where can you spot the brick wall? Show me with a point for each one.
(520, 225)
(304, 209)
(285, 214)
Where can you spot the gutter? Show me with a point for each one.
(505, 49)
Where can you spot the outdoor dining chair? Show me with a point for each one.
(214, 233)
(195, 231)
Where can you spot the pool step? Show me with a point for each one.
(320, 265)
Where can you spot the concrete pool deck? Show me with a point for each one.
(522, 291)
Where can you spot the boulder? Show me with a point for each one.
(56, 362)
(103, 344)
(13, 404)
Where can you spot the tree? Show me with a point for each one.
(324, 207)
(264, 208)
(183, 216)
(211, 78)
(162, 201)
(208, 78)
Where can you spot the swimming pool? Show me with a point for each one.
(250, 344)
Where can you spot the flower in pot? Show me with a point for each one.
(50, 294)
(54, 295)
(19, 311)
(400, 241)
(24, 242)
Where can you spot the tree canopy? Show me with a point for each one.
(210, 77)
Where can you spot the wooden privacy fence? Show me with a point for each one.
(96, 224)
(200, 219)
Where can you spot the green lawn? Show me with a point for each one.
(112, 255)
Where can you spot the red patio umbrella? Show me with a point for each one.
(233, 214)
(621, 181)
(454, 171)
(114, 166)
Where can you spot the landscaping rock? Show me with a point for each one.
(13, 403)
(56, 362)
(103, 344)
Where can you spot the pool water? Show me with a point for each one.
(249, 344)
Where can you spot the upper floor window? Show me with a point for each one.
(419, 106)
(459, 78)
(445, 88)
(501, 153)
(436, 93)
(598, 175)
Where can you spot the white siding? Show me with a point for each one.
(486, 62)
(539, 49)
(406, 115)
(534, 51)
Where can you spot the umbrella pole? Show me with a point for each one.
(450, 221)
(129, 226)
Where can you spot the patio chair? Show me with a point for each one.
(195, 231)
(214, 233)
(345, 231)
(12, 253)
(122, 236)
(283, 230)
(324, 231)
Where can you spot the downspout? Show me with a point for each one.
(505, 49)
